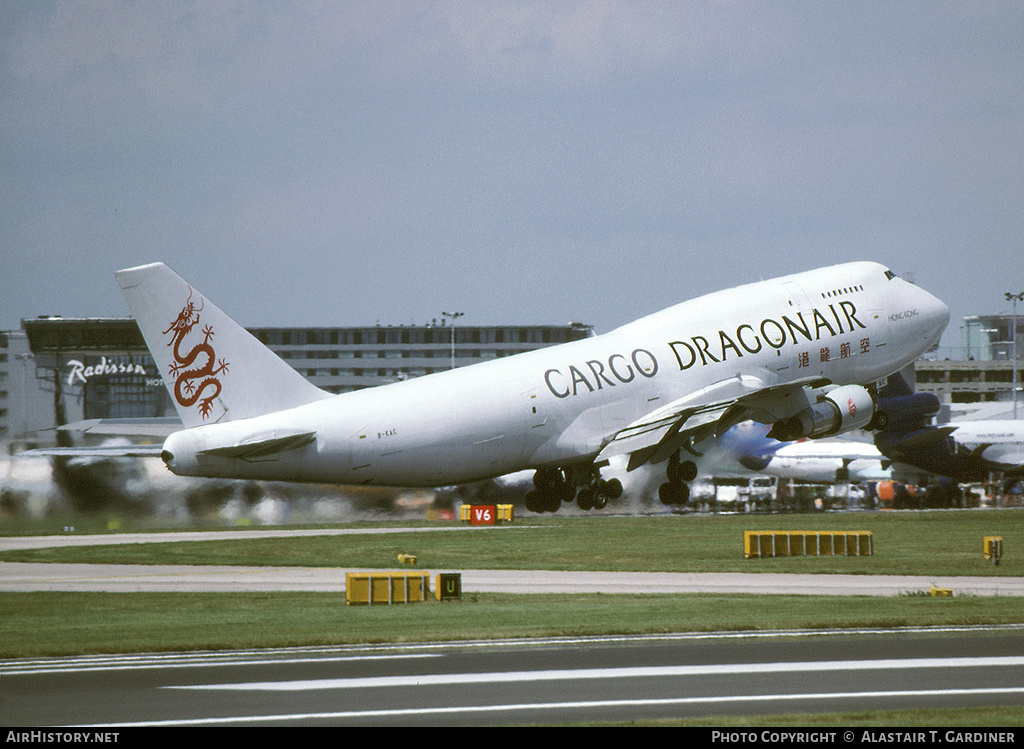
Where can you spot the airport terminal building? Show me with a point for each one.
(60, 370)
(985, 369)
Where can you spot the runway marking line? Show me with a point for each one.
(249, 719)
(604, 673)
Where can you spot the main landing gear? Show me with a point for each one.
(676, 491)
(553, 486)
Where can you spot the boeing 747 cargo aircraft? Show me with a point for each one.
(801, 353)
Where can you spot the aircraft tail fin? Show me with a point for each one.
(213, 368)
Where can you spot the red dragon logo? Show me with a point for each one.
(187, 390)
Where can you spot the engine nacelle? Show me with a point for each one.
(840, 410)
(906, 413)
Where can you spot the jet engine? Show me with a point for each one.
(907, 413)
(843, 409)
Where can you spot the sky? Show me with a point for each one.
(361, 163)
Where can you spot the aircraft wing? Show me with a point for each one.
(157, 428)
(708, 412)
(845, 451)
(259, 447)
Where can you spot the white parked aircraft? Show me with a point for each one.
(822, 461)
(800, 352)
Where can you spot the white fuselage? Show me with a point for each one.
(561, 405)
(1000, 443)
(823, 462)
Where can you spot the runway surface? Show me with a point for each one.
(552, 681)
(18, 576)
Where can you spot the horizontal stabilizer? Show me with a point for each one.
(97, 451)
(153, 427)
(924, 440)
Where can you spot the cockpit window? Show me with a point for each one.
(890, 275)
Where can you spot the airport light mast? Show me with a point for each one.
(453, 316)
(1013, 327)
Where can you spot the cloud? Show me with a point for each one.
(567, 158)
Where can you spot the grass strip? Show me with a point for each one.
(906, 543)
(62, 623)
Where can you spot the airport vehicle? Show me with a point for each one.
(799, 352)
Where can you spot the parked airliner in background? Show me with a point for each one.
(965, 451)
(821, 461)
(801, 353)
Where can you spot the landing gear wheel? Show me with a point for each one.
(612, 488)
(542, 501)
(585, 498)
(671, 493)
(602, 491)
(533, 503)
(596, 496)
(676, 490)
(680, 472)
(546, 478)
(689, 471)
(880, 421)
(551, 490)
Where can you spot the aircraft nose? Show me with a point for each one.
(935, 314)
